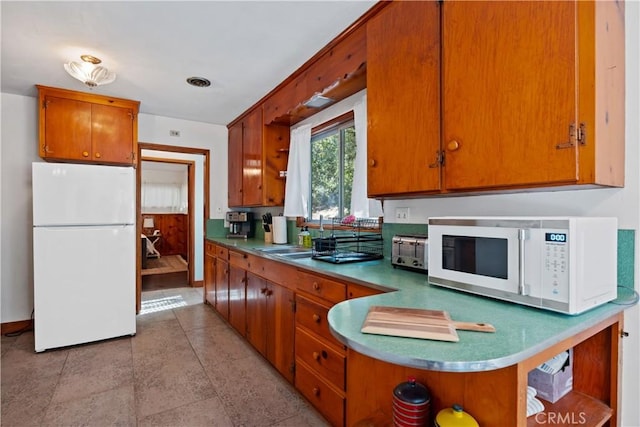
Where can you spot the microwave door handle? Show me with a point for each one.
(523, 234)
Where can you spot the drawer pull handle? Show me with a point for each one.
(316, 286)
(316, 318)
(316, 356)
(98, 155)
(316, 391)
(85, 154)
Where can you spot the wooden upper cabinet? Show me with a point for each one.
(509, 93)
(87, 128)
(403, 99)
(235, 165)
(257, 153)
(522, 84)
(343, 61)
(337, 72)
(252, 159)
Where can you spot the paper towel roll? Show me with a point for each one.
(279, 229)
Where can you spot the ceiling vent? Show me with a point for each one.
(198, 82)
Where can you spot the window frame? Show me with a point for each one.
(327, 126)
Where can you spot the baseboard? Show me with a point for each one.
(11, 327)
(197, 284)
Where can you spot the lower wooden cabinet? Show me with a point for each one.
(270, 323)
(209, 294)
(222, 287)
(237, 299)
(320, 359)
(327, 399)
(330, 363)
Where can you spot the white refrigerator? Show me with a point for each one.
(84, 253)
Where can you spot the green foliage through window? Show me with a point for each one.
(333, 154)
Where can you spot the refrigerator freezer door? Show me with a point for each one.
(77, 194)
(84, 284)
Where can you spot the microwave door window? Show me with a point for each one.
(484, 256)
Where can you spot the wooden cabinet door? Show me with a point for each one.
(509, 93)
(257, 325)
(67, 129)
(237, 299)
(112, 134)
(280, 315)
(235, 165)
(222, 288)
(210, 279)
(403, 99)
(252, 163)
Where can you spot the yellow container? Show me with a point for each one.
(455, 417)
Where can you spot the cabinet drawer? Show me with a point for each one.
(324, 288)
(313, 316)
(239, 259)
(274, 271)
(327, 362)
(357, 291)
(222, 252)
(325, 398)
(209, 248)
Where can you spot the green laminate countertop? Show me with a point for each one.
(521, 331)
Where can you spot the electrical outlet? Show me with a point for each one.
(402, 214)
(174, 133)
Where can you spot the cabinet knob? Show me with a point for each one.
(85, 154)
(316, 286)
(453, 145)
(263, 290)
(316, 356)
(98, 155)
(372, 162)
(316, 318)
(316, 391)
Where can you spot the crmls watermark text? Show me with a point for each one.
(561, 418)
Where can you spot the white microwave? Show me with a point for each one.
(563, 264)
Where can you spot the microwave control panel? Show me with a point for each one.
(555, 264)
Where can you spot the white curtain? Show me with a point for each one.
(164, 197)
(361, 205)
(296, 201)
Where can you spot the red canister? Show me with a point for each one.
(411, 404)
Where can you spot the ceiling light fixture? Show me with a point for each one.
(198, 82)
(89, 72)
(317, 101)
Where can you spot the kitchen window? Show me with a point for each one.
(333, 152)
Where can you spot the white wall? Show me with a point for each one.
(155, 129)
(19, 150)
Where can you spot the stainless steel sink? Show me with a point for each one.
(288, 251)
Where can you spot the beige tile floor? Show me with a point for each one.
(184, 367)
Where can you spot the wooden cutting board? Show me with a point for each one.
(417, 323)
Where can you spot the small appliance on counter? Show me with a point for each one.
(241, 225)
(563, 264)
(410, 251)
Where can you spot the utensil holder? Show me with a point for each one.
(268, 237)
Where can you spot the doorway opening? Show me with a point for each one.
(167, 199)
(197, 163)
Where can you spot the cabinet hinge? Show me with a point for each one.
(577, 135)
(582, 134)
(292, 368)
(439, 160)
(293, 306)
(45, 103)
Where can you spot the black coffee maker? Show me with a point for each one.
(241, 225)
